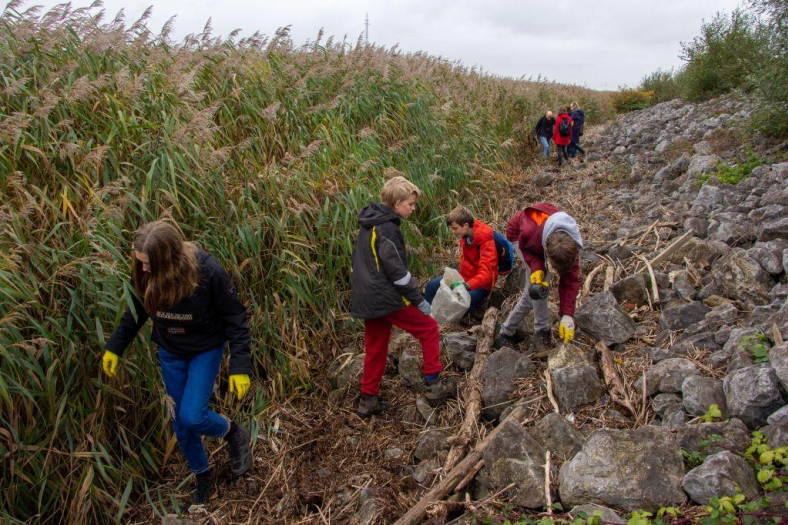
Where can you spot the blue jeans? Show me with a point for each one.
(574, 147)
(189, 382)
(477, 296)
(546, 145)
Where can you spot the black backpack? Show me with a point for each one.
(565, 127)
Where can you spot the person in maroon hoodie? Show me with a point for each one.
(545, 237)
(562, 134)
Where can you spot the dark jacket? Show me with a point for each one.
(578, 117)
(212, 316)
(544, 128)
(526, 227)
(380, 282)
(557, 138)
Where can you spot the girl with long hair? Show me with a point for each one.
(196, 312)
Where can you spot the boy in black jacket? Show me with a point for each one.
(385, 294)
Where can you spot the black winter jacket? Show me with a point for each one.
(208, 319)
(544, 128)
(380, 282)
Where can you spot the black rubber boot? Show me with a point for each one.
(203, 488)
(543, 341)
(506, 341)
(240, 450)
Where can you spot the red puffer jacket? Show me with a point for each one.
(479, 258)
(557, 138)
(526, 228)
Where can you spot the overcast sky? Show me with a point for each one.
(602, 44)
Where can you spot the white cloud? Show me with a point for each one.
(602, 44)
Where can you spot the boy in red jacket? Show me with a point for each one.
(478, 257)
(544, 235)
(562, 134)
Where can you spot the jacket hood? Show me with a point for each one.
(481, 233)
(561, 221)
(376, 214)
(544, 207)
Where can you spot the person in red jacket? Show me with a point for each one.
(478, 257)
(562, 134)
(545, 237)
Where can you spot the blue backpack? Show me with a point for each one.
(505, 253)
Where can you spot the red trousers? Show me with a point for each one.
(377, 333)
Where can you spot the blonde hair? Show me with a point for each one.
(574, 105)
(398, 189)
(174, 271)
(461, 215)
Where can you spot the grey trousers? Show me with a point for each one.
(525, 305)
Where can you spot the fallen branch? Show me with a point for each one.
(590, 280)
(653, 278)
(547, 497)
(469, 477)
(610, 273)
(613, 381)
(459, 473)
(464, 435)
(670, 250)
(549, 386)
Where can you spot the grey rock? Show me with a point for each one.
(674, 418)
(430, 443)
(667, 376)
(687, 346)
(657, 354)
(428, 413)
(515, 281)
(631, 289)
(731, 434)
(607, 516)
(461, 349)
(753, 393)
(544, 179)
(722, 315)
(742, 278)
(663, 403)
(699, 225)
(603, 318)
(708, 198)
(683, 286)
(773, 229)
(575, 379)
(721, 474)
(778, 417)
(368, 508)
(702, 164)
(514, 456)
(409, 370)
(699, 393)
(426, 470)
(680, 317)
(629, 469)
(345, 370)
(769, 255)
(778, 357)
(776, 435)
(393, 453)
(702, 148)
(501, 370)
(558, 436)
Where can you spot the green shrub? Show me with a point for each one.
(663, 84)
(626, 100)
(733, 174)
(770, 80)
(723, 56)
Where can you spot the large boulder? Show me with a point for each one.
(708, 438)
(557, 435)
(346, 369)
(603, 318)
(631, 289)
(501, 370)
(699, 393)
(461, 349)
(679, 317)
(773, 229)
(753, 393)
(575, 379)
(638, 469)
(778, 357)
(667, 376)
(741, 277)
(430, 443)
(409, 370)
(514, 457)
(721, 474)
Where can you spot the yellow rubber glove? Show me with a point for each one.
(109, 363)
(239, 383)
(538, 278)
(566, 330)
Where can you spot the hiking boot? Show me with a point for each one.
(238, 440)
(203, 488)
(543, 341)
(369, 406)
(503, 340)
(439, 389)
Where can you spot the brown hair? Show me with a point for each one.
(461, 215)
(398, 189)
(174, 272)
(561, 251)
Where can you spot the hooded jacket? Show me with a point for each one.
(557, 138)
(544, 128)
(530, 228)
(578, 117)
(380, 281)
(209, 318)
(479, 257)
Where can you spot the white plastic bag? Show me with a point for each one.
(450, 305)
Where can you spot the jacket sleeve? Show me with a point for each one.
(538, 125)
(488, 261)
(512, 231)
(555, 129)
(129, 325)
(534, 262)
(567, 290)
(233, 314)
(393, 261)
